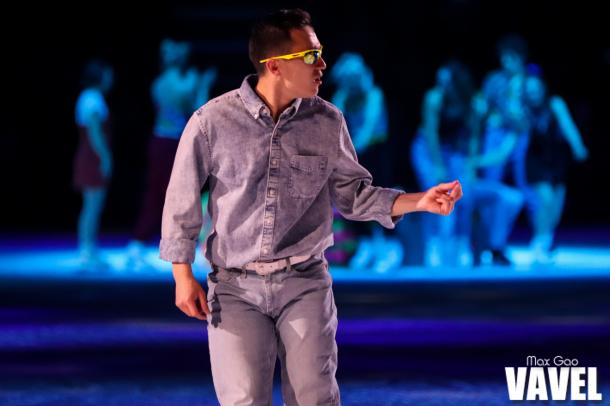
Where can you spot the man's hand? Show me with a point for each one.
(190, 297)
(441, 198)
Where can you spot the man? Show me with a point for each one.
(277, 157)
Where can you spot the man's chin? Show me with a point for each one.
(311, 92)
(314, 92)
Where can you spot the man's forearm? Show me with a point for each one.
(406, 203)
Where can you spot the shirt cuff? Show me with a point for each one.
(388, 197)
(181, 250)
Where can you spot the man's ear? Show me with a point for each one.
(273, 67)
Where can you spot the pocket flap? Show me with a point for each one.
(308, 163)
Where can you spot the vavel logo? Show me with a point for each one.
(558, 374)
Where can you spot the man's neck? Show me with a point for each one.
(273, 95)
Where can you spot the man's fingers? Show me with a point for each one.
(457, 193)
(443, 205)
(192, 310)
(203, 304)
(444, 198)
(447, 187)
(446, 203)
(453, 189)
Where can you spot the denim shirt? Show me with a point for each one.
(272, 184)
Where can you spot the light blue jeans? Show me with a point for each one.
(254, 319)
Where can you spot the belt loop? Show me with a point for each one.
(288, 267)
(244, 272)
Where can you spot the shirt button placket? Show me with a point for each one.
(271, 195)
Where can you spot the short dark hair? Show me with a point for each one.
(93, 72)
(513, 43)
(271, 35)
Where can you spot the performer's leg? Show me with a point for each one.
(242, 340)
(307, 324)
(544, 216)
(559, 192)
(504, 204)
(492, 140)
(89, 220)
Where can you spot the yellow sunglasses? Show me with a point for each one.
(310, 57)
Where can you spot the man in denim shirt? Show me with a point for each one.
(276, 157)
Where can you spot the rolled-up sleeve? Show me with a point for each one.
(182, 213)
(351, 189)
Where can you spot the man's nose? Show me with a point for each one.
(321, 63)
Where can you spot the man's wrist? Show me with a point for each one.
(406, 203)
(182, 271)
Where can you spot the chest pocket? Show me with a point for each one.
(307, 175)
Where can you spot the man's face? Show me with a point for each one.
(299, 79)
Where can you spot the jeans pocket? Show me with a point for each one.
(211, 288)
(213, 317)
(307, 174)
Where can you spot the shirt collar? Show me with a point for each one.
(254, 103)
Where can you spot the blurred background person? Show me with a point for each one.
(93, 159)
(504, 144)
(364, 108)
(177, 92)
(505, 133)
(553, 137)
(495, 205)
(441, 151)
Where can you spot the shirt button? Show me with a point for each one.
(265, 250)
(274, 162)
(271, 192)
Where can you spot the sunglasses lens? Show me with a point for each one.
(312, 57)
